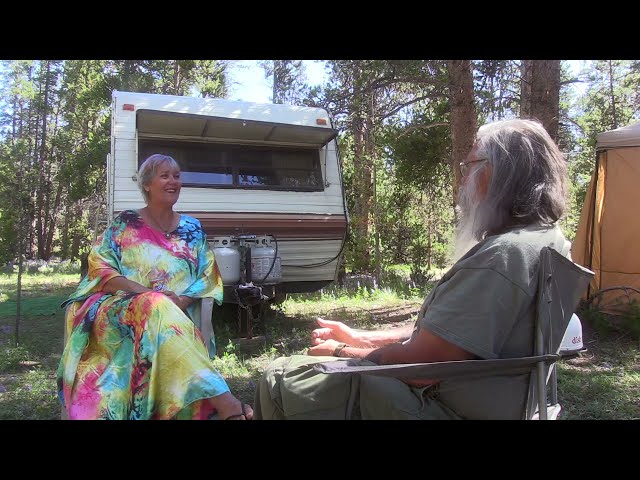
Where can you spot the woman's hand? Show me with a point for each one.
(181, 302)
(121, 283)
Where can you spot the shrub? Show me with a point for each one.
(10, 358)
(627, 321)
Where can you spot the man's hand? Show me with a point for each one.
(331, 330)
(323, 347)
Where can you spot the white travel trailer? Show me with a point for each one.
(263, 179)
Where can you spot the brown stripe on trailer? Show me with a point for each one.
(282, 225)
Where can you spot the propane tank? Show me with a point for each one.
(228, 259)
(262, 259)
(572, 339)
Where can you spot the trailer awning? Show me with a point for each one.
(172, 124)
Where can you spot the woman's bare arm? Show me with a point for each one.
(124, 284)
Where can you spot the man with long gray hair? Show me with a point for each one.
(517, 187)
(513, 192)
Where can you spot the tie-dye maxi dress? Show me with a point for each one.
(138, 356)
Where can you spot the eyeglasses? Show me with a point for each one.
(464, 166)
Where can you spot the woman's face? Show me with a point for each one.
(165, 185)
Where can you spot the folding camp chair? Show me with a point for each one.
(560, 286)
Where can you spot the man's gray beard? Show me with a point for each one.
(467, 213)
(465, 238)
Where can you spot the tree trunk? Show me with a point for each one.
(51, 213)
(177, 78)
(463, 115)
(41, 191)
(545, 94)
(612, 97)
(525, 88)
(276, 82)
(52, 224)
(77, 237)
(32, 135)
(373, 162)
(64, 251)
(20, 251)
(362, 197)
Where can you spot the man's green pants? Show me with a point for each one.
(291, 390)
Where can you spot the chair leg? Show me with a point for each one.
(206, 328)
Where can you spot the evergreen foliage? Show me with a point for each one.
(395, 138)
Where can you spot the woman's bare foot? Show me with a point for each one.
(247, 413)
(230, 408)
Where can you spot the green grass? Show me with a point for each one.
(29, 395)
(27, 373)
(38, 283)
(602, 384)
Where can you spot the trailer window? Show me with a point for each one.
(240, 166)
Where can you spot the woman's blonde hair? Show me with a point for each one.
(148, 170)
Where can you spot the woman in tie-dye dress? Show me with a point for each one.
(132, 350)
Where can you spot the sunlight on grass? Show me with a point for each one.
(594, 393)
(55, 280)
(37, 285)
(364, 301)
(29, 396)
(10, 358)
(603, 383)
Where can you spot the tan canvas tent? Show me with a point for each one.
(608, 236)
